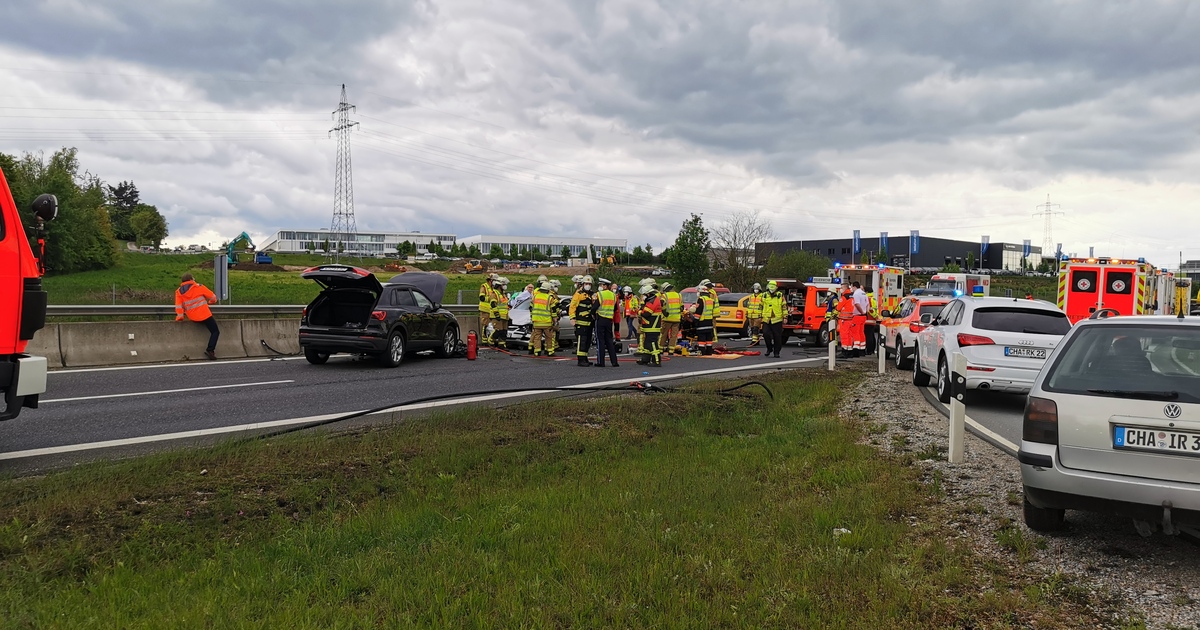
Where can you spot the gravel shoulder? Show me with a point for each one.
(1099, 561)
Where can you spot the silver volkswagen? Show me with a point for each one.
(1112, 425)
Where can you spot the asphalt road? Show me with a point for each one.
(998, 413)
(87, 413)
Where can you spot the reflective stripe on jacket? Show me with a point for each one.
(607, 304)
(581, 308)
(846, 309)
(539, 310)
(673, 309)
(192, 300)
(874, 307)
(754, 305)
(707, 305)
(651, 316)
(772, 307)
(486, 297)
(630, 306)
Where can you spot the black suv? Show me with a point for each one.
(356, 314)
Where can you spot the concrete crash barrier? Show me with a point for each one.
(281, 334)
(119, 343)
(467, 323)
(45, 344)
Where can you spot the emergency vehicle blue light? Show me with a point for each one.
(837, 265)
(977, 291)
(1142, 260)
(957, 293)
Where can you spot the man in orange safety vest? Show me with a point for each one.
(191, 301)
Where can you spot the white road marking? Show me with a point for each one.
(156, 366)
(971, 422)
(273, 424)
(163, 391)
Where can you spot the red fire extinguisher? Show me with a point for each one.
(472, 345)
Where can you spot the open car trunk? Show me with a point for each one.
(342, 308)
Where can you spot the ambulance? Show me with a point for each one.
(1131, 287)
(958, 284)
(885, 281)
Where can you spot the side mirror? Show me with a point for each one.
(45, 207)
(886, 314)
(927, 319)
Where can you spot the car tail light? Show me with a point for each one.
(965, 339)
(1040, 423)
(915, 327)
(310, 269)
(380, 315)
(977, 368)
(304, 312)
(741, 314)
(362, 272)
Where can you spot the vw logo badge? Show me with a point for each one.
(1172, 411)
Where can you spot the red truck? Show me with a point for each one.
(22, 303)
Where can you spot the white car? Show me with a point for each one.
(1005, 341)
(1112, 425)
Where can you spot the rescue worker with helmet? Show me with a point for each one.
(487, 300)
(581, 312)
(554, 315)
(754, 312)
(191, 301)
(604, 308)
(542, 316)
(831, 304)
(672, 314)
(703, 309)
(629, 308)
(650, 320)
(845, 318)
(500, 314)
(772, 318)
(642, 284)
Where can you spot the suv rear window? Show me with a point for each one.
(1021, 320)
(932, 309)
(1105, 360)
(729, 299)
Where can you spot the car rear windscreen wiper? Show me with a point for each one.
(1134, 393)
(1034, 331)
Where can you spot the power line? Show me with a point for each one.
(1048, 210)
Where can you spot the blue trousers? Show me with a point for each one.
(605, 341)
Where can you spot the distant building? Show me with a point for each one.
(934, 252)
(368, 243)
(548, 245)
(1191, 269)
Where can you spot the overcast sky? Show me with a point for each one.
(619, 118)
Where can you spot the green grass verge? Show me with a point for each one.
(681, 510)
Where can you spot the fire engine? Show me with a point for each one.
(886, 282)
(1131, 287)
(22, 303)
(804, 309)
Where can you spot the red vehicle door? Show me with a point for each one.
(1118, 290)
(1083, 292)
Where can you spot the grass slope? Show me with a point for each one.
(680, 510)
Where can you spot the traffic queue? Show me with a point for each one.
(655, 316)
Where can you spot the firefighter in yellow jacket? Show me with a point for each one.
(754, 312)
(672, 314)
(487, 299)
(500, 314)
(542, 315)
(772, 319)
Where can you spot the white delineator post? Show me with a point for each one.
(882, 351)
(832, 350)
(958, 409)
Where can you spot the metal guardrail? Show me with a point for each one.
(164, 310)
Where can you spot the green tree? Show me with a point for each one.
(514, 252)
(565, 252)
(495, 251)
(970, 260)
(865, 258)
(689, 254)
(123, 201)
(325, 245)
(797, 264)
(149, 226)
(638, 255)
(951, 268)
(81, 238)
(474, 252)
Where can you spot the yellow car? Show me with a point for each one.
(731, 314)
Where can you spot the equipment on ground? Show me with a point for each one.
(1130, 287)
(472, 345)
(473, 266)
(22, 302)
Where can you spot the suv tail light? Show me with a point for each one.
(741, 314)
(380, 315)
(965, 339)
(916, 327)
(1040, 423)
